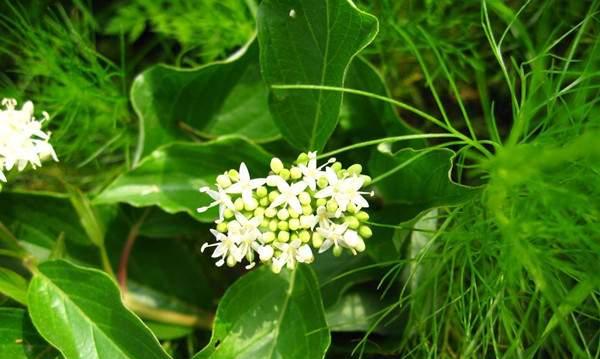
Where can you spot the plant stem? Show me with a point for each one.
(127, 248)
(384, 140)
(168, 316)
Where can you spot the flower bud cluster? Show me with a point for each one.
(281, 219)
(22, 140)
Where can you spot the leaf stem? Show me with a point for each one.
(384, 140)
(168, 316)
(127, 248)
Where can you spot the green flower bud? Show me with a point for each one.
(283, 225)
(322, 182)
(270, 212)
(337, 251)
(223, 181)
(302, 159)
(355, 169)
(228, 214)
(294, 237)
(268, 237)
(273, 225)
(264, 202)
(275, 269)
(273, 195)
(283, 214)
(365, 231)
(262, 192)
(362, 216)
(307, 210)
(321, 202)
(293, 213)
(337, 166)
(332, 206)
(304, 198)
(366, 180)
(351, 208)
(251, 205)
(276, 165)
(222, 227)
(259, 212)
(304, 236)
(283, 236)
(233, 175)
(231, 261)
(295, 173)
(239, 204)
(294, 224)
(317, 240)
(352, 222)
(264, 224)
(285, 174)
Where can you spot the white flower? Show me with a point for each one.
(245, 185)
(22, 140)
(288, 194)
(334, 236)
(311, 173)
(344, 191)
(246, 233)
(226, 245)
(291, 253)
(221, 199)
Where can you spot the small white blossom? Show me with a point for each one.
(247, 234)
(344, 191)
(22, 140)
(288, 194)
(245, 185)
(334, 236)
(221, 199)
(291, 253)
(311, 173)
(226, 245)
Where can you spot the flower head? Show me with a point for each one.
(281, 219)
(22, 140)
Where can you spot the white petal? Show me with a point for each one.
(326, 245)
(244, 175)
(305, 254)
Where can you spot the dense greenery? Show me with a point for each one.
(478, 122)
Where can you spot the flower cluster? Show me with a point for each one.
(22, 140)
(282, 218)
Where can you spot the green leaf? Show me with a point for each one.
(309, 42)
(265, 315)
(37, 220)
(13, 285)
(220, 98)
(418, 180)
(171, 176)
(80, 312)
(19, 339)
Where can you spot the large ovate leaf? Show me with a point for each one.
(79, 311)
(19, 339)
(220, 98)
(309, 42)
(418, 180)
(171, 176)
(265, 315)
